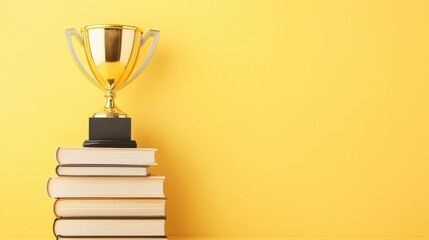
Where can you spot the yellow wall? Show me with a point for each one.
(271, 117)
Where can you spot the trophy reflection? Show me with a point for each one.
(112, 52)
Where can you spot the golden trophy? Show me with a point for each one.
(112, 52)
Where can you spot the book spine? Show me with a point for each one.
(54, 208)
(56, 170)
(56, 155)
(47, 187)
(53, 227)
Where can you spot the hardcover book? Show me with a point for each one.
(102, 170)
(111, 156)
(106, 187)
(69, 227)
(76, 208)
(113, 238)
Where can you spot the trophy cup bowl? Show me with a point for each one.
(112, 52)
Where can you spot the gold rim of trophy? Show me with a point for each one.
(117, 26)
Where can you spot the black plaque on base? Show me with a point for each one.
(110, 132)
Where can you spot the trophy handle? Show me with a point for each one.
(69, 32)
(155, 34)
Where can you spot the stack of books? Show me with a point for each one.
(107, 193)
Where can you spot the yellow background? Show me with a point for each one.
(298, 118)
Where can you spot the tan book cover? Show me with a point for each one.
(106, 187)
(94, 208)
(109, 227)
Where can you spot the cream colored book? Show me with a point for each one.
(106, 187)
(94, 208)
(115, 238)
(101, 170)
(118, 156)
(109, 227)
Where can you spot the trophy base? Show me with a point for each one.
(110, 143)
(110, 133)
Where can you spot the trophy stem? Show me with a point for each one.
(110, 101)
(110, 110)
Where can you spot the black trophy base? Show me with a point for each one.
(110, 143)
(110, 133)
